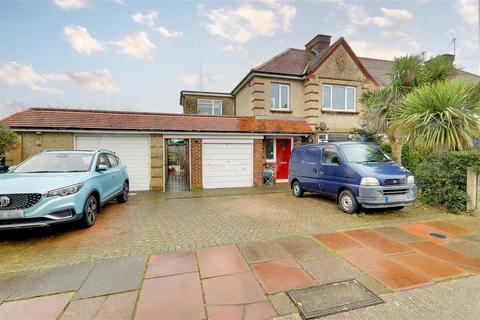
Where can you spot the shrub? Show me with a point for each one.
(413, 156)
(442, 178)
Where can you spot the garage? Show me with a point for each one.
(227, 163)
(133, 150)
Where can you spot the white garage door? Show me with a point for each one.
(134, 151)
(227, 164)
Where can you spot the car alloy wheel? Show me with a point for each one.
(123, 197)
(91, 210)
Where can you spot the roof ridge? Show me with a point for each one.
(272, 58)
(375, 59)
(133, 112)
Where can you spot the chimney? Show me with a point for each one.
(317, 44)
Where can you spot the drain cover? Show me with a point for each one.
(333, 298)
(437, 235)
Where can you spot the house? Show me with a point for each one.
(321, 84)
(222, 139)
(171, 152)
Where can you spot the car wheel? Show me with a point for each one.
(123, 197)
(90, 211)
(348, 202)
(397, 208)
(297, 189)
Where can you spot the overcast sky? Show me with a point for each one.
(138, 55)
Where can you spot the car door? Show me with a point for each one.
(105, 177)
(117, 176)
(331, 171)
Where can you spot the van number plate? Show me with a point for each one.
(396, 198)
(11, 214)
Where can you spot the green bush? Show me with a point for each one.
(442, 178)
(413, 156)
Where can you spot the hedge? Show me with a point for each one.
(442, 178)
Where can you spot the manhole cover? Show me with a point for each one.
(333, 298)
(437, 235)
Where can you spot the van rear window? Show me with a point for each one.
(296, 155)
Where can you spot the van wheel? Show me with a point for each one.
(90, 210)
(348, 202)
(397, 208)
(297, 189)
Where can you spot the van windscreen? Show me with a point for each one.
(364, 153)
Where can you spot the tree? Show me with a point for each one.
(407, 74)
(441, 116)
(8, 139)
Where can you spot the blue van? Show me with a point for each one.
(356, 174)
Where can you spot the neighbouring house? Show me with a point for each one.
(321, 84)
(222, 139)
(172, 152)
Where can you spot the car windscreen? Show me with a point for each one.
(364, 153)
(56, 162)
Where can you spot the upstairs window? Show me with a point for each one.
(338, 98)
(280, 96)
(210, 107)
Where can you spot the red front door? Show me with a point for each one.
(283, 150)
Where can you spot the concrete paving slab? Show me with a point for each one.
(282, 303)
(304, 248)
(255, 252)
(444, 300)
(11, 282)
(466, 247)
(40, 308)
(293, 316)
(53, 280)
(113, 276)
(474, 237)
(397, 234)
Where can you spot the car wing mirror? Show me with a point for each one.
(335, 160)
(101, 168)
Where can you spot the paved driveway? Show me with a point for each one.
(156, 222)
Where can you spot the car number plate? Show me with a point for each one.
(396, 198)
(11, 214)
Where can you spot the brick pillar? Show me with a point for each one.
(312, 102)
(196, 158)
(15, 155)
(156, 163)
(258, 161)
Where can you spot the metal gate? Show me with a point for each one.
(178, 177)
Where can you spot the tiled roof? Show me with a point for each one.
(41, 118)
(290, 62)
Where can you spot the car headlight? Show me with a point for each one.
(410, 180)
(369, 181)
(65, 191)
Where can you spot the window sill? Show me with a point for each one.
(281, 111)
(340, 111)
(271, 161)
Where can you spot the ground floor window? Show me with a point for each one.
(270, 149)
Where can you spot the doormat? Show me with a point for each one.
(333, 298)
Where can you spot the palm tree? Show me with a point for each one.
(442, 116)
(407, 74)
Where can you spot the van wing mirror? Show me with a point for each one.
(336, 160)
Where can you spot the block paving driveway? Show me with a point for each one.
(394, 255)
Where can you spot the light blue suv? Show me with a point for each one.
(55, 187)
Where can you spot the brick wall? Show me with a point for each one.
(258, 161)
(196, 158)
(156, 161)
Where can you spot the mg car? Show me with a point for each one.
(55, 187)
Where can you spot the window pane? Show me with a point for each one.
(297, 155)
(309, 156)
(338, 98)
(275, 96)
(269, 154)
(284, 97)
(204, 110)
(350, 99)
(113, 160)
(327, 98)
(217, 107)
(328, 155)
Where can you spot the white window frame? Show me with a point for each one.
(212, 102)
(330, 108)
(280, 85)
(322, 137)
(274, 159)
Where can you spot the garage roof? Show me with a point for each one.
(78, 119)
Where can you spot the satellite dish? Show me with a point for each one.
(323, 126)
